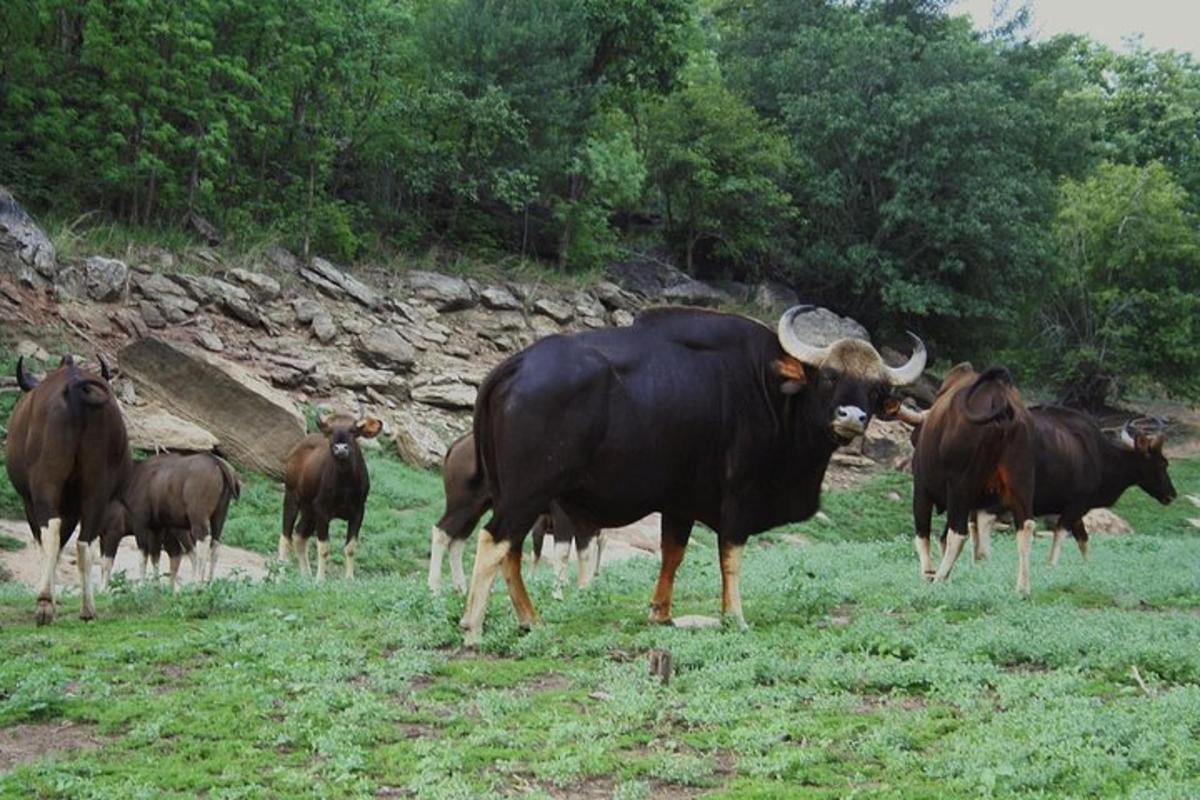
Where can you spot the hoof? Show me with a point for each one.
(472, 639)
(557, 594)
(45, 612)
(929, 577)
(738, 622)
(659, 616)
(87, 615)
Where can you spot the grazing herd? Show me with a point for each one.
(698, 415)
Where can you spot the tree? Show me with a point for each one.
(717, 167)
(918, 164)
(1124, 312)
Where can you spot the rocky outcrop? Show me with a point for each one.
(255, 424)
(451, 395)
(691, 292)
(499, 299)
(26, 252)
(337, 284)
(263, 287)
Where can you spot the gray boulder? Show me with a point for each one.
(417, 443)
(775, 297)
(337, 284)
(384, 348)
(263, 287)
(820, 326)
(283, 260)
(255, 424)
(691, 292)
(105, 279)
(443, 292)
(498, 299)
(454, 396)
(555, 310)
(152, 428)
(26, 252)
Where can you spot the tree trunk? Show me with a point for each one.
(312, 179)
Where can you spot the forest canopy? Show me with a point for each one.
(885, 159)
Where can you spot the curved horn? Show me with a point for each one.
(911, 416)
(791, 344)
(104, 367)
(1127, 437)
(912, 369)
(24, 379)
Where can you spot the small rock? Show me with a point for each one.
(337, 284)
(283, 260)
(852, 460)
(621, 318)
(210, 341)
(444, 292)
(383, 347)
(307, 310)
(775, 297)
(28, 349)
(499, 299)
(417, 443)
(695, 621)
(263, 287)
(206, 230)
(691, 292)
(357, 325)
(559, 312)
(323, 328)
(446, 395)
(894, 496)
(1103, 520)
(177, 310)
(105, 278)
(359, 377)
(151, 315)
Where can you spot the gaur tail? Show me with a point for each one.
(84, 392)
(991, 398)
(485, 449)
(24, 379)
(233, 484)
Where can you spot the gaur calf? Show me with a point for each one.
(67, 455)
(325, 478)
(466, 502)
(174, 502)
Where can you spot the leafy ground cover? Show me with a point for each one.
(855, 679)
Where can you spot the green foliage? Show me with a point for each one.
(718, 169)
(1126, 301)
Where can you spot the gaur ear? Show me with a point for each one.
(369, 428)
(1148, 443)
(104, 371)
(889, 407)
(793, 372)
(323, 422)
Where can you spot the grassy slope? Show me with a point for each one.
(855, 678)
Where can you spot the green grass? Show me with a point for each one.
(856, 679)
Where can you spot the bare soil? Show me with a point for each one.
(22, 744)
(25, 565)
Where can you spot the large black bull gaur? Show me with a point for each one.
(701, 416)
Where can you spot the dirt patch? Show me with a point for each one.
(417, 730)
(872, 703)
(25, 565)
(841, 616)
(602, 789)
(22, 744)
(550, 682)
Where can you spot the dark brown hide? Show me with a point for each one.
(325, 478)
(67, 456)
